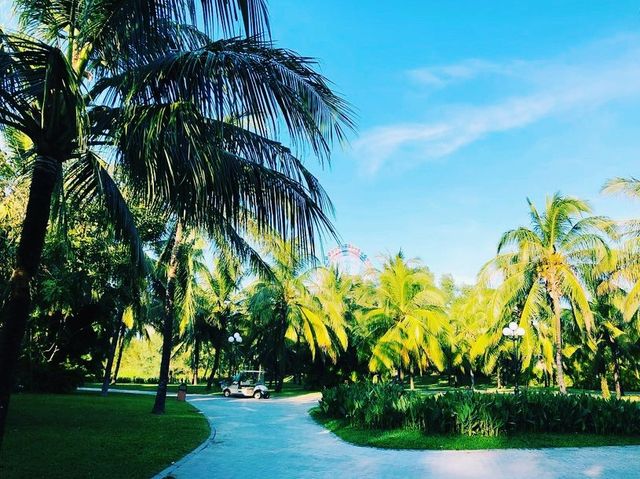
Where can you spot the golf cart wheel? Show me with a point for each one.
(257, 395)
(226, 393)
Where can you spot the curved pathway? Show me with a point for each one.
(276, 438)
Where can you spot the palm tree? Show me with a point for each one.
(284, 308)
(139, 90)
(207, 301)
(616, 334)
(408, 319)
(543, 269)
(469, 326)
(630, 267)
(220, 302)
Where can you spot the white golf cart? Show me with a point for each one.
(247, 384)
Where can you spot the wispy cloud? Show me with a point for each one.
(583, 79)
(442, 75)
(6, 13)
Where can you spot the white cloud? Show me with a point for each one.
(6, 13)
(442, 75)
(580, 80)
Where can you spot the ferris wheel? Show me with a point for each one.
(349, 259)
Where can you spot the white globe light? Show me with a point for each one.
(507, 332)
(520, 331)
(238, 339)
(236, 335)
(231, 339)
(513, 325)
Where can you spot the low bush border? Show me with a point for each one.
(388, 406)
(417, 440)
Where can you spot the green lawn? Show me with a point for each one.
(172, 388)
(88, 436)
(288, 389)
(412, 439)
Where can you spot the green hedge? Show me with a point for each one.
(389, 406)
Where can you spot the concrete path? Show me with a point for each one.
(276, 438)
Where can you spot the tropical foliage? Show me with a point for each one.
(388, 406)
(153, 191)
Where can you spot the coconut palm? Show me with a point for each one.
(284, 308)
(616, 334)
(629, 269)
(541, 267)
(137, 93)
(223, 297)
(217, 305)
(408, 319)
(470, 324)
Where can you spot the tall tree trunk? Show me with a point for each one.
(616, 370)
(115, 338)
(18, 299)
(558, 330)
(472, 377)
(196, 360)
(167, 329)
(499, 378)
(279, 352)
(604, 386)
(411, 383)
(298, 376)
(119, 360)
(276, 353)
(214, 369)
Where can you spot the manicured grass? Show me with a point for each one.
(88, 436)
(288, 389)
(172, 388)
(413, 439)
(291, 390)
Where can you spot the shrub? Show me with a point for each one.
(388, 406)
(51, 378)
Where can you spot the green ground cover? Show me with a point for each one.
(288, 390)
(415, 439)
(172, 388)
(88, 436)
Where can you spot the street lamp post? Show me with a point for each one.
(234, 340)
(514, 333)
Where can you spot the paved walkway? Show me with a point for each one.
(276, 438)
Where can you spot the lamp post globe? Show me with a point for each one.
(514, 333)
(237, 339)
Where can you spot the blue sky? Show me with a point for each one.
(468, 108)
(465, 109)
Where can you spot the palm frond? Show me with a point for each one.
(87, 179)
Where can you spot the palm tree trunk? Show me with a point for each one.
(472, 377)
(604, 386)
(499, 378)
(616, 372)
(279, 352)
(298, 376)
(17, 306)
(558, 330)
(214, 369)
(196, 360)
(119, 360)
(106, 380)
(167, 330)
